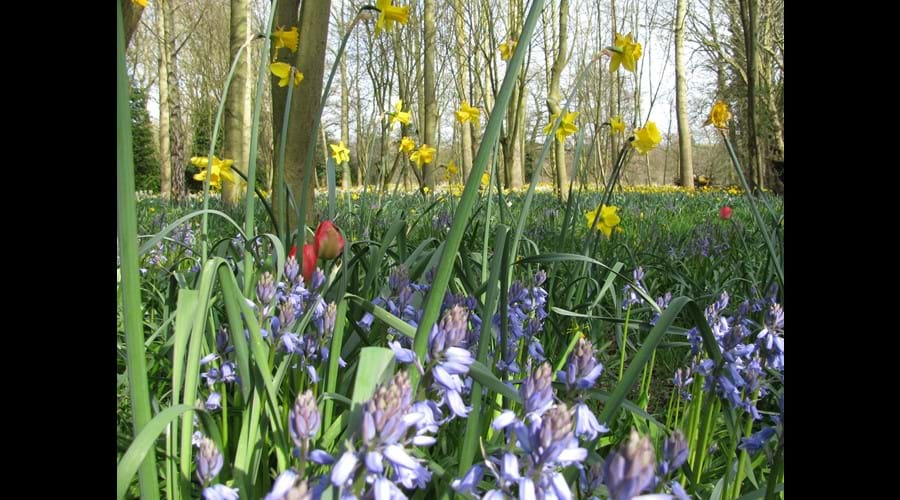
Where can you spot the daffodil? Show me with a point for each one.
(220, 169)
(608, 219)
(141, 3)
(625, 52)
(407, 144)
(390, 14)
(485, 179)
(399, 115)
(507, 49)
(452, 170)
(340, 153)
(423, 155)
(566, 126)
(616, 125)
(719, 115)
(468, 113)
(426, 189)
(283, 71)
(646, 138)
(287, 39)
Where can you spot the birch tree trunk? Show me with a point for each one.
(554, 97)
(234, 103)
(431, 111)
(165, 161)
(684, 124)
(176, 125)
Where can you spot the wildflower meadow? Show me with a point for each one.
(510, 300)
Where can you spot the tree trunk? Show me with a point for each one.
(176, 126)
(247, 114)
(310, 60)
(553, 100)
(234, 103)
(462, 85)
(131, 17)
(165, 162)
(431, 111)
(684, 124)
(346, 182)
(749, 23)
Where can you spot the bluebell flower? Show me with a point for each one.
(304, 420)
(289, 486)
(220, 492)
(389, 426)
(214, 401)
(755, 442)
(630, 470)
(675, 453)
(209, 461)
(631, 296)
(543, 446)
(581, 373)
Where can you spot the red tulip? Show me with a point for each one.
(293, 252)
(309, 263)
(328, 243)
(725, 212)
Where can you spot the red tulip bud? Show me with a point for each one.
(293, 252)
(725, 212)
(309, 263)
(329, 242)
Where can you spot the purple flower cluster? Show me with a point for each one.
(526, 310)
(631, 296)
(580, 375)
(745, 355)
(390, 425)
(226, 373)
(294, 299)
(540, 445)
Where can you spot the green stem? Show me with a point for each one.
(624, 342)
(435, 296)
(249, 217)
(128, 250)
(755, 211)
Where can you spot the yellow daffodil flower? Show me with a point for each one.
(423, 155)
(283, 71)
(608, 219)
(646, 138)
(616, 125)
(507, 49)
(400, 115)
(407, 144)
(220, 169)
(719, 115)
(452, 170)
(140, 3)
(485, 179)
(389, 15)
(340, 153)
(467, 113)
(566, 126)
(287, 39)
(626, 52)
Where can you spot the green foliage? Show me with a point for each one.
(146, 159)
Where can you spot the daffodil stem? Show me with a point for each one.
(776, 262)
(204, 244)
(281, 221)
(249, 217)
